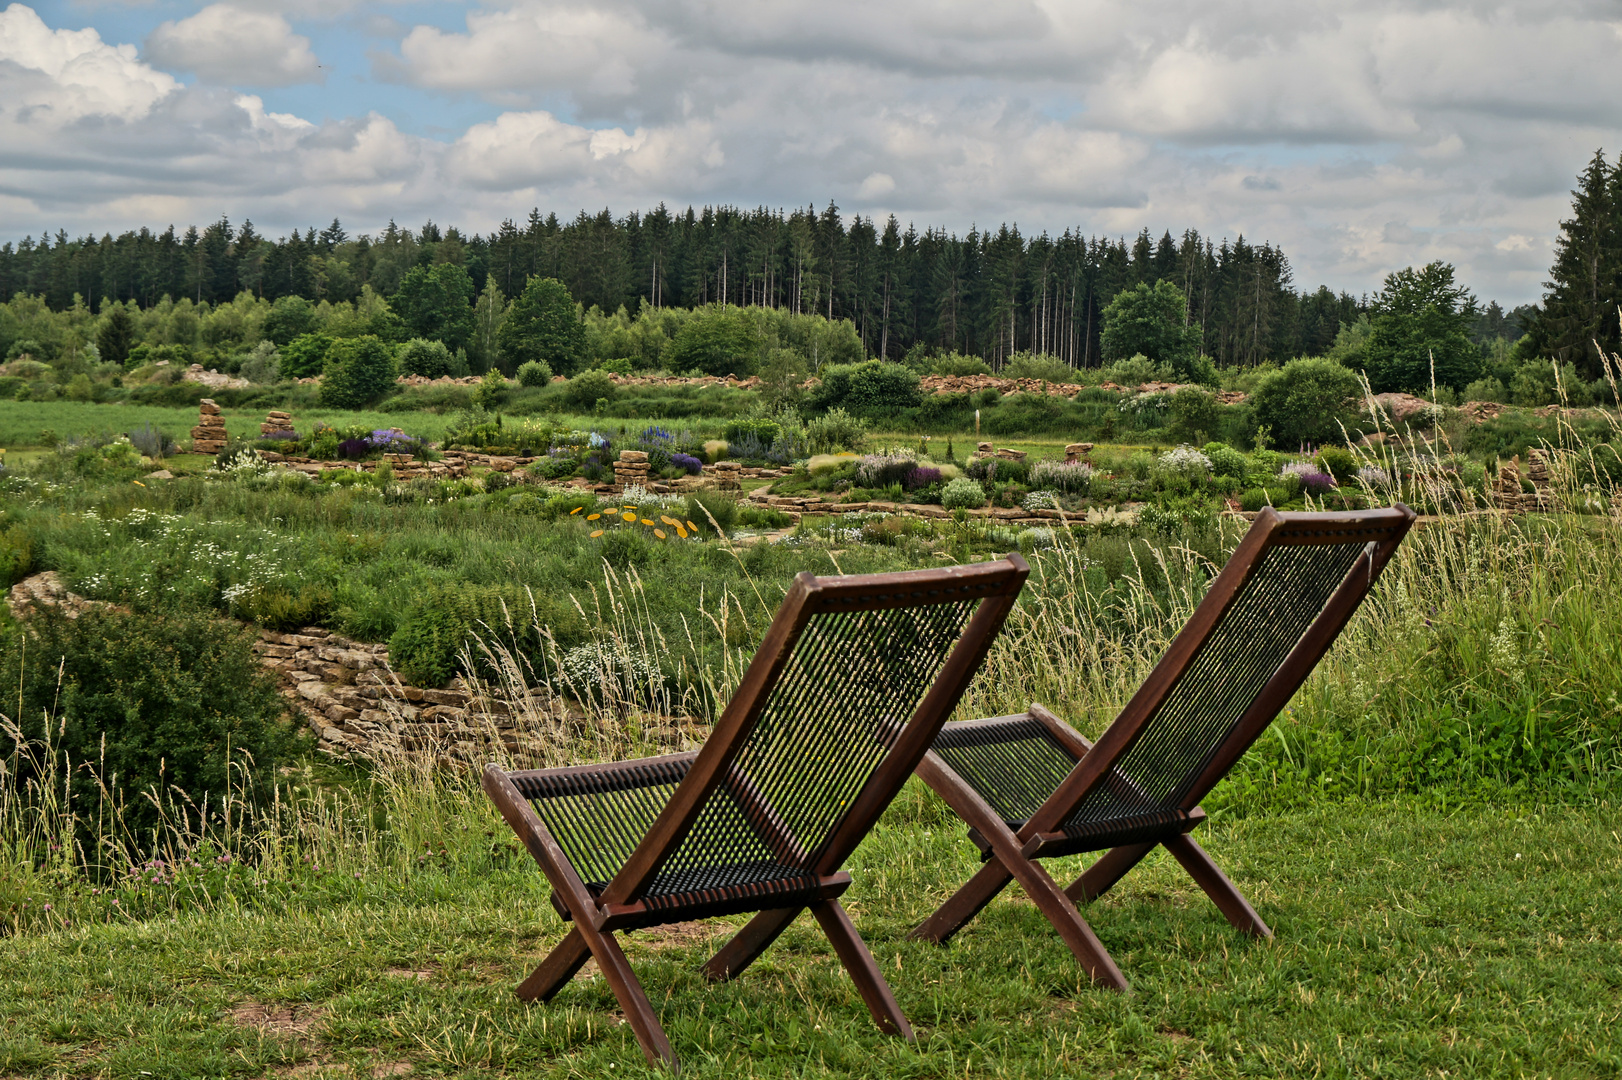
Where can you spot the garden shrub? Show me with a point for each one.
(1038, 366)
(717, 340)
(1193, 415)
(430, 359)
(303, 356)
(998, 470)
(958, 364)
(358, 372)
(534, 373)
(876, 386)
(834, 431)
(1337, 462)
(16, 555)
(146, 700)
(587, 388)
(761, 428)
(963, 494)
(882, 470)
(447, 616)
(1226, 461)
(1307, 401)
(1253, 499)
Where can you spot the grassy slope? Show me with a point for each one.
(21, 422)
(1479, 943)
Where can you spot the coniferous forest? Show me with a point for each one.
(987, 293)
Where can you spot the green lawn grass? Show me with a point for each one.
(1484, 942)
(23, 423)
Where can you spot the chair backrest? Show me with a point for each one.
(851, 684)
(1267, 619)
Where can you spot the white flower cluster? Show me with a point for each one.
(601, 668)
(1040, 500)
(1374, 476)
(637, 495)
(1186, 461)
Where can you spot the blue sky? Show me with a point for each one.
(1361, 137)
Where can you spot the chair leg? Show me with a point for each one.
(1061, 911)
(852, 953)
(747, 944)
(557, 969)
(583, 943)
(1210, 877)
(964, 904)
(1110, 867)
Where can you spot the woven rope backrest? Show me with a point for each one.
(852, 682)
(1283, 597)
(1013, 765)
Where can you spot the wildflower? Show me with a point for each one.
(576, 510)
(645, 521)
(628, 517)
(593, 517)
(595, 534)
(681, 532)
(691, 526)
(137, 483)
(660, 533)
(668, 520)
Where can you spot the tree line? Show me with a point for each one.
(988, 293)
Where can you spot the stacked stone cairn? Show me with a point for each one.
(728, 475)
(1508, 493)
(208, 437)
(276, 422)
(631, 468)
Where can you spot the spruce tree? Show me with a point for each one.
(1581, 304)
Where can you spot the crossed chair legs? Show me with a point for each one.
(585, 942)
(1009, 862)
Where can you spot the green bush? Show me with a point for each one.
(534, 373)
(585, 389)
(1252, 500)
(1038, 366)
(835, 430)
(717, 340)
(544, 324)
(1226, 461)
(16, 555)
(963, 494)
(1337, 462)
(1487, 389)
(304, 356)
(766, 430)
(1193, 415)
(358, 372)
(1307, 401)
(430, 359)
(176, 700)
(877, 386)
(446, 617)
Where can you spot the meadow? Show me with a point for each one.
(1431, 827)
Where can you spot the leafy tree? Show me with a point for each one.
(1151, 320)
(116, 334)
(488, 314)
(290, 316)
(304, 356)
(437, 302)
(1306, 401)
(1420, 318)
(717, 341)
(543, 324)
(358, 372)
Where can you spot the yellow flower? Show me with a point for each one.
(645, 521)
(596, 534)
(628, 517)
(593, 517)
(668, 520)
(139, 484)
(576, 510)
(691, 526)
(681, 532)
(660, 533)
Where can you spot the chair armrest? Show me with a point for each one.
(602, 777)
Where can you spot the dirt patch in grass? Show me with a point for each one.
(292, 1020)
(415, 974)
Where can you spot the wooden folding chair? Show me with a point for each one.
(1030, 787)
(851, 684)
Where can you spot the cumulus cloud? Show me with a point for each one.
(1361, 137)
(235, 46)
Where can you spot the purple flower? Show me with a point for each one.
(1316, 483)
(354, 448)
(687, 462)
(920, 477)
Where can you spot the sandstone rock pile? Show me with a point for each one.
(276, 421)
(1508, 493)
(631, 468)
(1077, 451)
(985, 449)
(208, 437)
(728, 474)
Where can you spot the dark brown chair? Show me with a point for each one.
(848, 689)
(1030, 787)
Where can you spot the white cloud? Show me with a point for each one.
(235, 46)
(1359, 136)
(50, 78)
